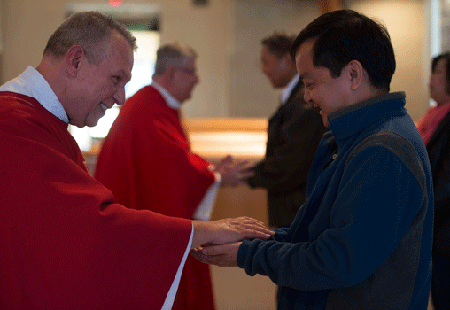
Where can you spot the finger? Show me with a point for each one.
(199, 248)
(246, 175)
(216, 249)
(227, 159)
(257, 228)
(257, 235)
(211, 260)
(243, 161)
(246, 169)
(260, 233)
(223, 162)
(246, 218)
(200, 256)
(251, 221)
(252, 225)
(248, 164)
(247, 222)
(243, 165)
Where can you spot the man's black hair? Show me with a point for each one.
(278, 43)
(345, 35)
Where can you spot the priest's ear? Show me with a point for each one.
(74, 55)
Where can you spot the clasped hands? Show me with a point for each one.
(233, 171)
(217, 242)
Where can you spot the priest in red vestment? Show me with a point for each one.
(147, 163)
(65, 242)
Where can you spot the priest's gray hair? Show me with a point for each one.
(173, 55)
(90, 30)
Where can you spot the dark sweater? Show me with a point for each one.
(363, 238)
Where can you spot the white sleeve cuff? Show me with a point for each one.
(205, 207)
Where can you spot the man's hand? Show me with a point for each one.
(228, 231)
(224, 255)
(233, 172)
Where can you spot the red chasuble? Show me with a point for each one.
(64, 243)
(147, 163)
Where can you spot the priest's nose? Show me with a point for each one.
(119, 96)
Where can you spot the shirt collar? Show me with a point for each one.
(351, 120)
(172, 102)
(286, 92)
(32, 84)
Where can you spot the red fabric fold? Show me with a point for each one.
(147, 163)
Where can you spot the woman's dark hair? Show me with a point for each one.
(434, 63)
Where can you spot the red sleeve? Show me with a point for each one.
(65, 243)
(146, 160)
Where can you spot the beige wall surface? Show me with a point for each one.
(407, 22)
(227, 35)
(251, 94)
(27, 24)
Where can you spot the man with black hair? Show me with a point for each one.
(363, 238)
(294, 132)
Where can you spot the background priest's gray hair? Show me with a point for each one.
(173, 55)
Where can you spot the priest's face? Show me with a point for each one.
(185, 78)
(99, 86)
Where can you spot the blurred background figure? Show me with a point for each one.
(294, 132)
(434, 127)
(146, 161)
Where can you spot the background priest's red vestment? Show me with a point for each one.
(65, 244)
(147, 163)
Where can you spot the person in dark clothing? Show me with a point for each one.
(294, 132)
(363, 238)
(434, 129)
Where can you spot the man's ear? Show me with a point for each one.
(355, 73)
(74, 56)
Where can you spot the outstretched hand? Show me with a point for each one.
(238, 229)
(228, 231)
